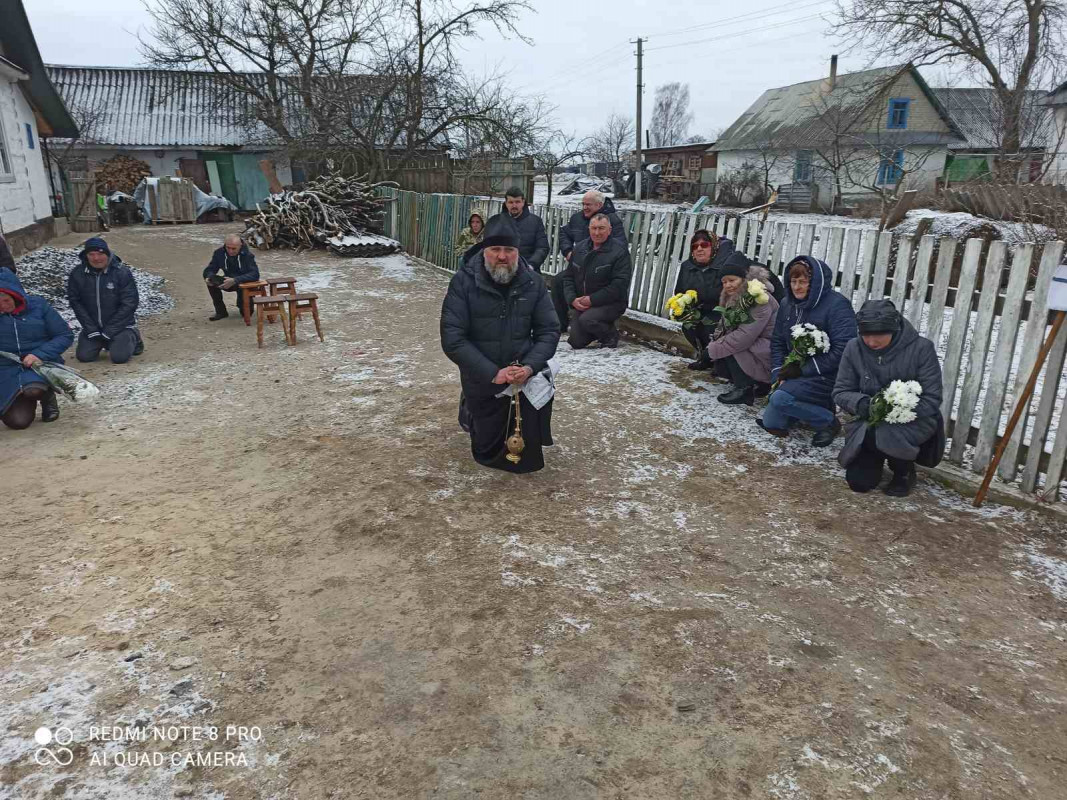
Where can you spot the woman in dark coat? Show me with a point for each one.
(708, 253)
(888, 349)
(31, 329)
(804, 391)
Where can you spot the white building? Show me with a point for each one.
(862, 133)
(1057, 100)
(30, 109)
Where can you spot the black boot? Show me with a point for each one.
(219, 314)
(702, 363)
(902, 483)
(49, 407)
(738, 395)
(762, 389)
(824, 437)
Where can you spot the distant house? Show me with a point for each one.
(1056, 100)
(179, 123)
(842, 137)
(30, 109)
(686, 170)
(976, 113)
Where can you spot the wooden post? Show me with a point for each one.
(1020, 404)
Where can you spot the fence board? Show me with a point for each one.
(1000, 371)
(1043, 420)
(881, 266)
(1031, 345)
(731, 229)
(900, 275)
(939, 294)
(972, 383)
(775, 263)
(920, 281)
(819, 243)
(681, 253)
(957, 335)
(656, 255)
(833, 252)
(792, 237)
(850, 262)
(639, 257)
(807, 239)
(742, 235)
(753, 239)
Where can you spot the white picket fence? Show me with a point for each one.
(987, 351)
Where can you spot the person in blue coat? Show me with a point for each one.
(804, 392)
(32, 330)
(103, 296)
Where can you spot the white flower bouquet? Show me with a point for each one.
(62, 379)
(895, 404)
(808, 341)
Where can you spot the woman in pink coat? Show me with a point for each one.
(744, 353)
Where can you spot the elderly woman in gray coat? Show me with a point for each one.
(888, 349)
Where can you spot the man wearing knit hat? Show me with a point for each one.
(888, 349)
(103, 295)
(499, 327)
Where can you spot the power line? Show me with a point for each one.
(730, 49)
(735, 34)
(768, 12)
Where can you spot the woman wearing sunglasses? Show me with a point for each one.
(708, 253)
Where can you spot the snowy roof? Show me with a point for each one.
(976, 113)
(802, 114)
(158, 108)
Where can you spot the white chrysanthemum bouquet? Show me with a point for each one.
(62, 379)
(808, 341)
(755, 294)
(895, 404)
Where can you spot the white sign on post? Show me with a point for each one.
(1057, 293)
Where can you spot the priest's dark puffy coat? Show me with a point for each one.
(533, 240)
(865, 372)
(576, 230)
(484, 329)
(35, 328)
(827, 310)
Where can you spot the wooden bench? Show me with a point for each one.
(265, 306)
(300, 304)
(248, 291)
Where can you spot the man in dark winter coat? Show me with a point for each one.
(533, 241)
(574, 233)
(237, 265)
(498, 326)
(888, 349)
(103, 296)
(6, 259)
(708, 254)
(596, 286)
(804, 390)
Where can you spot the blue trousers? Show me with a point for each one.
(784, 409)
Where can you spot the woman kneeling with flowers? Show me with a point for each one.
(890, 379)
(741, 343)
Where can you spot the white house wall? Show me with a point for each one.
(24, 199)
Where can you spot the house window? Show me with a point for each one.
(802, 167)
(694, 162)
(890, 171)
(898, 113)
(6, 174)
(29, 136)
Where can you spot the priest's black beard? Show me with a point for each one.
(502, 275)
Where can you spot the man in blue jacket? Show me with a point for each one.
(237, 265)
(103, 296)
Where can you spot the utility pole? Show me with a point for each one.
(637, 173)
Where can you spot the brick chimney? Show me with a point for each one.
(833, 71)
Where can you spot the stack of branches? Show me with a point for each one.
(328, 206)
(122, 173)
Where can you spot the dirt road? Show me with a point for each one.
(295, 540)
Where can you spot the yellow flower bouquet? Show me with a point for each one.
(684, 308)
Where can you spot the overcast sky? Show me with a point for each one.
(581, 57)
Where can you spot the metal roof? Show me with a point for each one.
(159, 108)
(976, 112)
(810, 113)
(19, 47)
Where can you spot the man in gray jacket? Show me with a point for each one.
(888, 349)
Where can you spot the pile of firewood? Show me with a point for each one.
(326, 207)
(122, 174)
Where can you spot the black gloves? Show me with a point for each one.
(863, 408)
(790, 371)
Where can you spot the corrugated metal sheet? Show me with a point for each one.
(159, 108)
(976, 113)
(809, 114)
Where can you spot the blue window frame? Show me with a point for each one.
(890, 171)
(898, 113)
(802, 167)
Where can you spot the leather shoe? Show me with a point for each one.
(772, 431)
(218, 316)
(824, 437)
(738, 395)
(699, 365)
(901, 485)
(49, 407)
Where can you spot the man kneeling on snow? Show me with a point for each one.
(596, 286)
(103, 296)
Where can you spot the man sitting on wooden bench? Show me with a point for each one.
(238, 266)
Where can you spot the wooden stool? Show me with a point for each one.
(271, 305)
(282, 285)
(300, 304)
(248, 291)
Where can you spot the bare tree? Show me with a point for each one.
(1011, 45)
(364, 81)
(612, 143)
(671, 116)
(697, 138)
(558, 149)
(69, 154)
